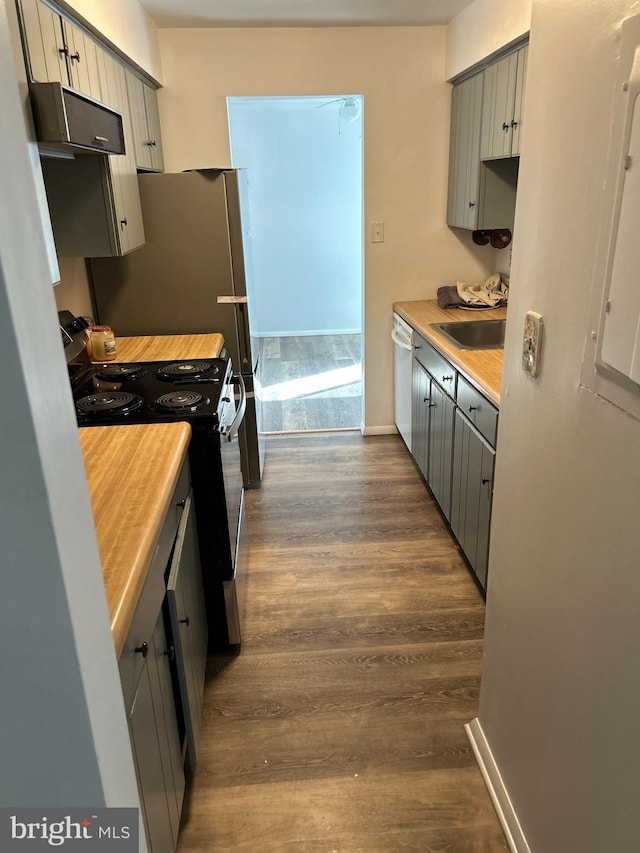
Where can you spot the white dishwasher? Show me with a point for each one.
(402, 337)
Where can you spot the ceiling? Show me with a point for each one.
(301, 13)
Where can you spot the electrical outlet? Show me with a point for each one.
(532, 343)
(377, 232)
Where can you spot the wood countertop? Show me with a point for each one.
(168, 347)
(132, 472)
(483, 368)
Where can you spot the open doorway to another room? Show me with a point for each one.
(304, 162)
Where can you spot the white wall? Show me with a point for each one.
(400, 73)
(560, 699)
(483, 28)
(128, 26)
(304, 164)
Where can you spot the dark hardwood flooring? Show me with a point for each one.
(339, 726)
(311, 382)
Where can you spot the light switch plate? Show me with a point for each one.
(377, 232)
(532, 343)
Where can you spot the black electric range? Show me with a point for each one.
(145, 392)
(212, 400)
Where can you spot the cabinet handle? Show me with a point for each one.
(431, 406)
(75, 56)
(143, 649)
(426, 399)
(447, 378)
(101, 138)
(123, 222)
(485, 480)
(514, 124)
(473, 408)
(63, 50)
(182, 503)
(505, 126)
(185, 621)
(171, 652)
(472, 204)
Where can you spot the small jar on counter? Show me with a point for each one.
(102, 343)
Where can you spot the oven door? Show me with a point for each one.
(234, 494)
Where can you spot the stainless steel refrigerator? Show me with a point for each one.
(194, 274)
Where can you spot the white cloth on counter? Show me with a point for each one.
(494, 293)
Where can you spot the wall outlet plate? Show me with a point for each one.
(532, 343)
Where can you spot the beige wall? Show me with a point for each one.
(127, 25)
(400, 72)
(560, 697)
(72, 293)
(483, 28)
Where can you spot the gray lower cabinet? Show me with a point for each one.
(454, 434)
(471, 494)
(156, 746)
(167, 638)
(441, 410)
(185, 597)
(432, 420)
(420, 398)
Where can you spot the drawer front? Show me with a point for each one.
(442, 371)
(475, 406)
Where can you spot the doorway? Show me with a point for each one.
(304, 162)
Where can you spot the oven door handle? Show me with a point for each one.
(232, 430)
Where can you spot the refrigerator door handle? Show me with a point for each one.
(232, 300)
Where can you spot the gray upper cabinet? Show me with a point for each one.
(502, 106)
(464, 153)
(146, 124)
(57, 51)
(43, 42)
(486, 118)
(94, 202)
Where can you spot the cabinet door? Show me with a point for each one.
(498, 103)
(185, 596)
(83, 61)
(167, 723)
(521, 81)
(420, 399)
(153, 127)
(46, 51)
(124, 179)
(440, 447)
(141, 144)
(473, 461)
(145, 121)
(464, 153)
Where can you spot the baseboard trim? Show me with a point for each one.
(380, 430)
(496, 787)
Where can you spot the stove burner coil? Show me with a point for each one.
(187, 370)
(109, 403)
(120, 372)
(180, 402)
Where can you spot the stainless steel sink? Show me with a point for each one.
(473, 334)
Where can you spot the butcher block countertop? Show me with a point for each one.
(131, 472)
(482, 367)
(168, 347)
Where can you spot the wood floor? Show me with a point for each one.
(311, 382)
(339, 727)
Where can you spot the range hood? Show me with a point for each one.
(68, 121)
